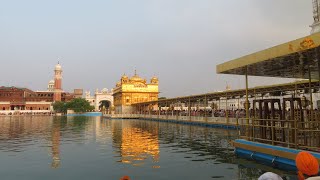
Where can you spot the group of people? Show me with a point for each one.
(237, 113)
(307, 165)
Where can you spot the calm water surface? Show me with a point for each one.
(93, 148)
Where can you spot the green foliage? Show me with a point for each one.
(78, 105)
(60, 107)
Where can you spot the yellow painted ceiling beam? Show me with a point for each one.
(276, 59)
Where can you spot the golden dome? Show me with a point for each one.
(154, 80)
(136, 78)
(124, 76)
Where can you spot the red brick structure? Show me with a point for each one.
(57, 83)
(13, 98)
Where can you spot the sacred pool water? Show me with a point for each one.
(83, 148)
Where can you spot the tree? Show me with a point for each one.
(78, 105)
(60, 107)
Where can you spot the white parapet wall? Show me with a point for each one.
(17, 112)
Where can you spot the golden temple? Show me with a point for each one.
(134, 90)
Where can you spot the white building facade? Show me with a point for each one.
(101, 100)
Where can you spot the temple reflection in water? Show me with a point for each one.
(136, 142)
(81, 142)
(133, 143)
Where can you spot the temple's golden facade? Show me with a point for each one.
(133, 90)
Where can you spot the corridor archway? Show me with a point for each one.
(104, 106)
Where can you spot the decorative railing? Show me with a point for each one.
(287, 133)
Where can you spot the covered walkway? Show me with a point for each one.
(291, 121)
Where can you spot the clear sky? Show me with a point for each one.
(180, 41)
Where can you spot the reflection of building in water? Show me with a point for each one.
(19, 132)
(102, 131)
(55, 144)
(24, 128)
(136, 144)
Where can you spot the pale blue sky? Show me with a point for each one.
(180, 41)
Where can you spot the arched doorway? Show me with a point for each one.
(103, 100)
(104, 106)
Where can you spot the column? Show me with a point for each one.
(247, 105)
(205, 108)
(189, 109)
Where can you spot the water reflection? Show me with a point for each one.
(17, 133)
(206, 144)
(136, 142)
(55, 144)
(195, 152)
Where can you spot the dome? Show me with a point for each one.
(124, 76)
(58, 67)
(51, 86)
(51, 82)
(104, 90)
(154, 78)
(136, 78)
(124, 79)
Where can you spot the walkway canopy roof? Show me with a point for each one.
(273, 90)
(289, 60)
